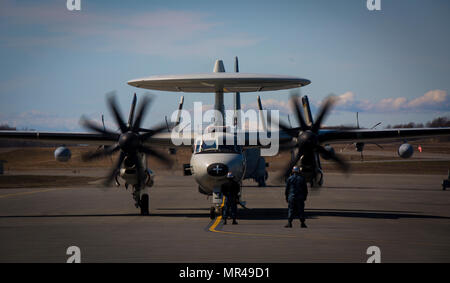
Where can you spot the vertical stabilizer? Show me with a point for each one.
(261, 114)
(218, 67)
(357, 120)
(103, 122)
(180, 107)
(307, 110)
(237, 100)
(218, 101)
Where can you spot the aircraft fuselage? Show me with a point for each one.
(210, 168)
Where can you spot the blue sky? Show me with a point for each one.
(392, 65)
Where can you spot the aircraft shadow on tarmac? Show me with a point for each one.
(281, 214)
(259, 214)
(346, 187)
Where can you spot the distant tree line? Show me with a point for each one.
(18, 143)
(6, 127)
(439, 122)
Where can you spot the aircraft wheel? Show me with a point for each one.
(212, 213)
(143, 203)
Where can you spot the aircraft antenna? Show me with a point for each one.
(261, 114)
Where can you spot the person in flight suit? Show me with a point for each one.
(296, 194)
(231, 192)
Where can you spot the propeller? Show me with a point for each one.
(306, 137)
(130, 141)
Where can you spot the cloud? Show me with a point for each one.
(433, 100)
(271, 104)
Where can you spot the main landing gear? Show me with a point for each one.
(141, 199)
(144, 204)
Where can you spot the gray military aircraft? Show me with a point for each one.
(215, 155)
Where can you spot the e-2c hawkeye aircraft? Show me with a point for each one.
(215, 155)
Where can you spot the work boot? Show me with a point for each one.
(234, 222)
(289, 225)
(303, 225)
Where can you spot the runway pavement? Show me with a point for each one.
(406, 216)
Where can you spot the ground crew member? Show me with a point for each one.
(231, 192)
(296, 194)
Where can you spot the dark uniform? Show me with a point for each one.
(296, 194)
(231, 192)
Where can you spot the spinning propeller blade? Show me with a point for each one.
(306, 136)
(130, 142)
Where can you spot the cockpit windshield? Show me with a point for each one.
(211, 146)
(229, 148)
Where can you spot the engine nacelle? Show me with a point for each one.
(405, 150)
(330, 150)
(62, 154)
(130, 176)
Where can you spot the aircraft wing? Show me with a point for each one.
(187, 139)
(387, 135)
(161, 139)
(347, 136)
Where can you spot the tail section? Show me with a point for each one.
(307, 110)
(261, 114)
(180, 107)
(218, 100)
(178, 120)
(219, 67)
(237, 100)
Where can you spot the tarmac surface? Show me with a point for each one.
(406, 216)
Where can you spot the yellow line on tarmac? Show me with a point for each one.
(213, 229)
(27, 193)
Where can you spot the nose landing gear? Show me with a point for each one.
(212, 213)
(215, 211)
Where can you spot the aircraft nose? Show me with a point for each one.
(217, 169)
